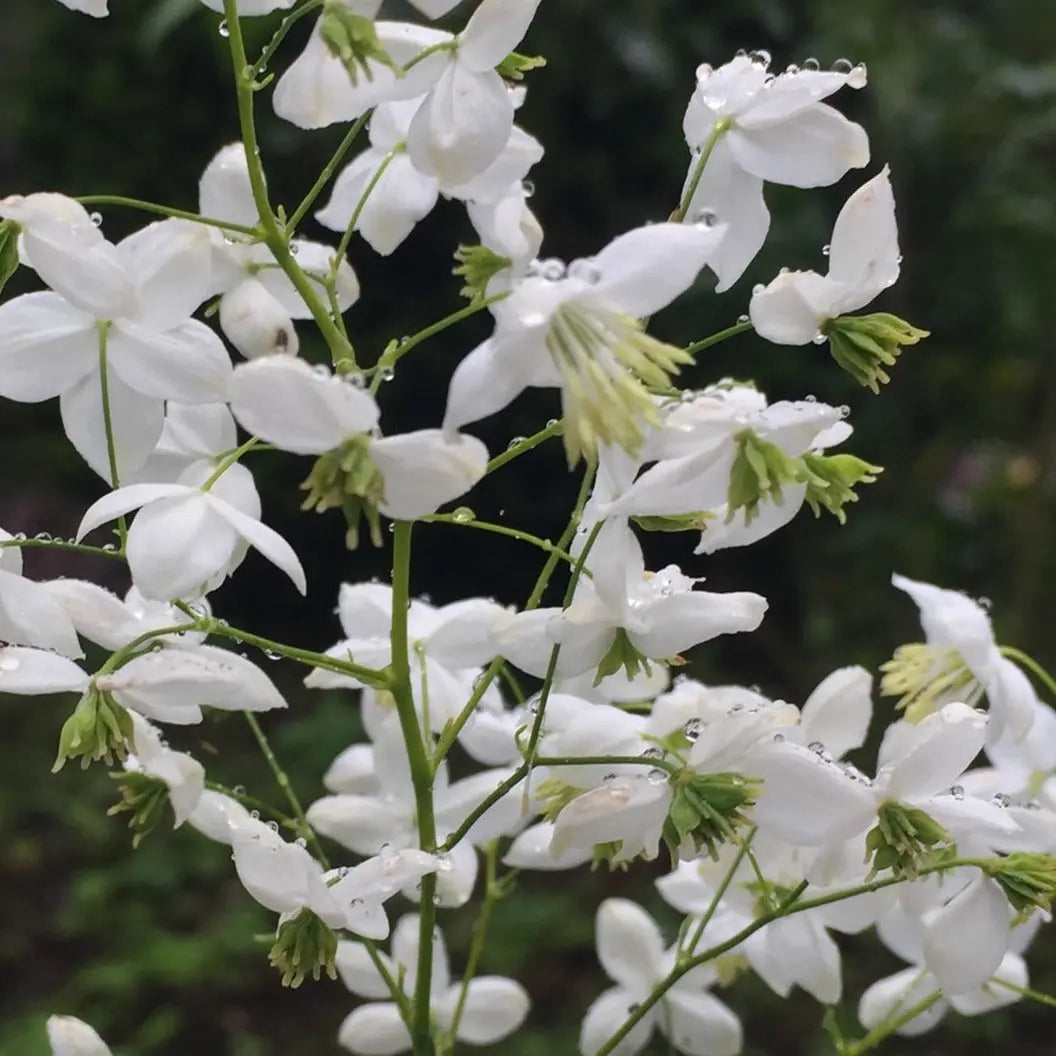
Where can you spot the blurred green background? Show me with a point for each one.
(156, 948)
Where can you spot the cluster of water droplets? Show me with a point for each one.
(554, 269)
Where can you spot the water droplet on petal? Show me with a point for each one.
(826, 250)
(842, 66)
(957, 791)
(528, 187)
(757, 289)
(693, 729)
(858, 77)
(585, 270)
(553, 269)
(705, 218)
(811, 65)
(760, 57)
(742, 319)
(819, 338)
(96, 218)
(224, 29)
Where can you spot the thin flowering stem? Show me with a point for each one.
(1024, 991)
(720, 891)
(698, 171)
(520, 447)
(1027, 661)
(283, 781)
(882, 1031)
(130, 649)
(228, 461)
(422, 777)
(717, 338)
(166, 210)
(396, 991)
(375, 179)
(108, 427)
(62, 544)
(261, 65)
(500, 790)
(328, 171)
(274, 236)
(500, 529)
(396, 350)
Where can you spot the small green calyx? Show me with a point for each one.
(304, 945)
(925, 677)
(622, 655)
(863, 345)
(515, 66)
(99, 728)
(353, 40)
(477, 266)
(760, 470)
(347, 479)
(768, 897)
(1027, 879)
(905, 840)
(9, 232)
(554, 795)
(606, 854)
(675, 522)
(142, 796)
(707, 810)
(831, 480)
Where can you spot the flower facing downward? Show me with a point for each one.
(578, 329)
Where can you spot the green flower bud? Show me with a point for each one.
(707, 810)
(760, 470)
(478, 265)
(353, 39)
(9, 232)
(1027, 879)
(905, 840)
(863, 345)
(831, 480)
(99, 728)
(144, 797)
(346, 478)
(515, 66)
(303, 945)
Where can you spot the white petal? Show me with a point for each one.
(813, 149)
(67, 1035)
(769, 517)
(277, 874)
(681, 620)
(502, 178)
(352, 771)
(374, 1030)
(33, 671)
(46, 345)
(218, 816)
(531, 850)
(965, 941)
(29, 615)
(263, 539)
(630, 946)
(792, 308)
(136, 422)
(358, 971)
(424, 470)
(291, 404)
(606, 1015)
(837, 713)
(647, 268)
(810, 957)
(699, 1024)
(363, 824)
(95, 612)
(1013, 702)
(494, 1008)
(495, 29)
(898, 992)
(991, 995)
(864, 248)
(462, 126)
(255, 323)
(945, 744)
(736, 199)
(124, 500)
(187, 363)
(97, 9)
(224, 190)
(316, 260)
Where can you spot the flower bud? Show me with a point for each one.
(760, 470)
(353, 40)
(831, 480)
(255, 323)
(477, 266)
(99, 728)
(144, 797)
(303, 945)
(347, 479)
(706, 811)
(1027, 879)
(904, 840)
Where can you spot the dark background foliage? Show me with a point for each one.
(156, 947)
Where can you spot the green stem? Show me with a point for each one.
(108, 426)
(397, 350)
(228, 461)
(714, 339)
(705, 153)
(130, 649)
(275, 237)
(261, 65)
(328, 171)
(523, 446)
(1024, 660)
(422, 776)
(501, 529)
(395, 990)
(283, 781)
(484, 806)
(885, 1029)
(166, 210)
(346, 238)
(1023, 991)
(713, 905)
(62, 544)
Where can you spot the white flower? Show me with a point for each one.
(182, 774)
(578, 330)
(33, 672)
(767, 128)
(249, 8)
(863, 261)
(185, 541)
(97, 9)
(960, 661)
(193, 435)
(493, 1009)
(69, 1036)
(126, 306)
(631, 951)
(659, 614)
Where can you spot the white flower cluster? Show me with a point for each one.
(774, 839)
